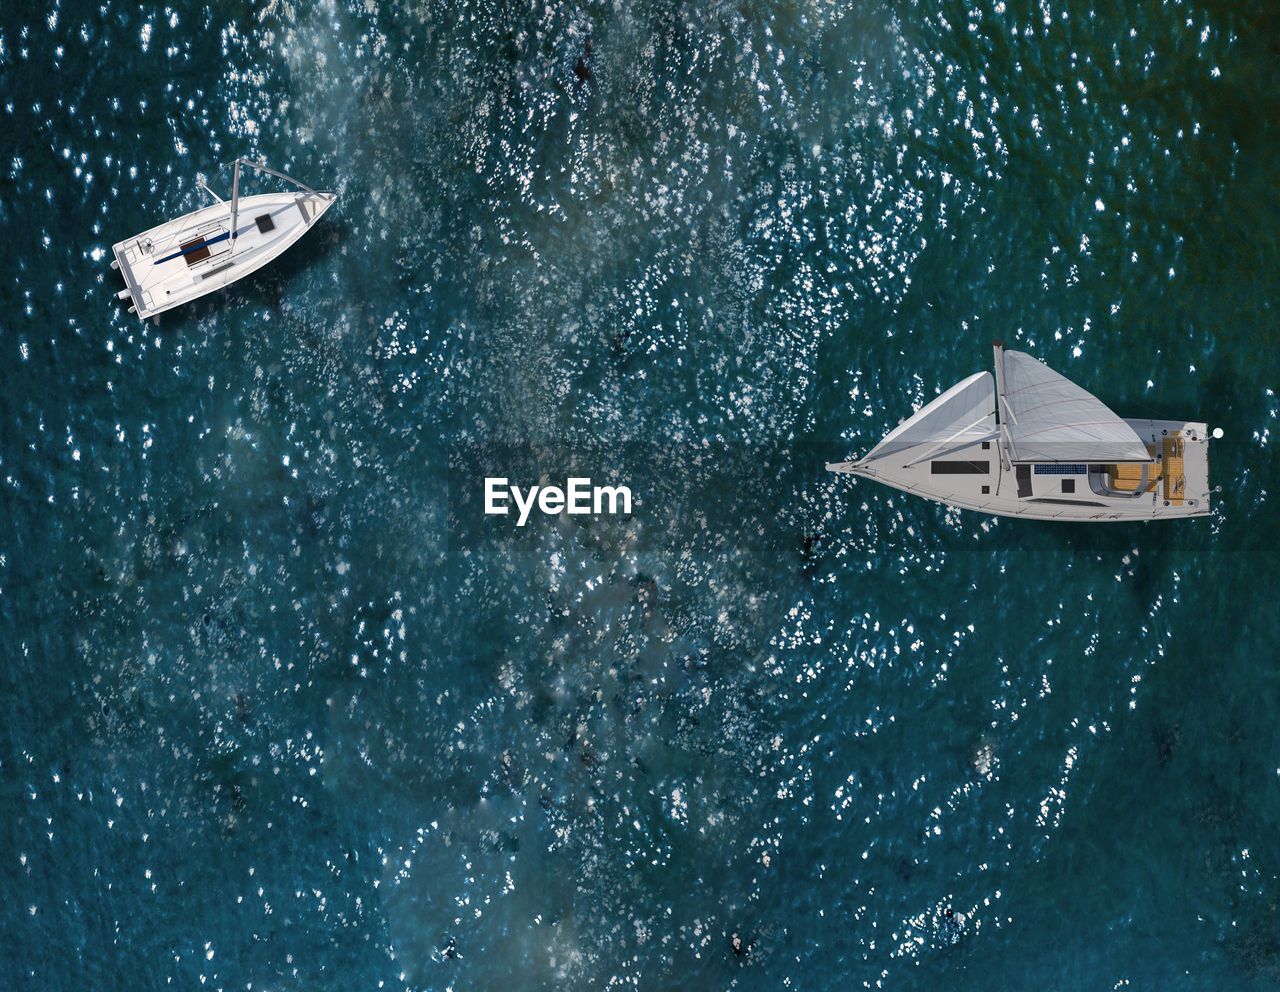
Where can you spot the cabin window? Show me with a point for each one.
(196, 251)
(986, 490)
(1023, 474)
(986, 445)
(960, 468)
(1068, 485)
(265, 223)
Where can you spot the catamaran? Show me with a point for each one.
(1031, 443)
(191, 256)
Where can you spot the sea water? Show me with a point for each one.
(282, 709)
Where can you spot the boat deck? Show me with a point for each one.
(1175, 483)
(1133, 478)
(1173, 468)
(195, 254)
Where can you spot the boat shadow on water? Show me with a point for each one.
(1144, 537)
(270, 287)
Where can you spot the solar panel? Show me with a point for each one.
(1065, 469)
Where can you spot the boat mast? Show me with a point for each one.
(1004, 412)
(1004, 446)
(235, 199)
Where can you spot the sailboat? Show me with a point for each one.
(1031, 443)
(197, 253)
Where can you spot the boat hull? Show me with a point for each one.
(1174, 485)
(193, 255)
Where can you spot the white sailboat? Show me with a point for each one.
(1031, 443)
(197, 253)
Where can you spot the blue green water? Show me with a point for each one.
(277, 710)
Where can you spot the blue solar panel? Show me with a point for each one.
(1061, 469)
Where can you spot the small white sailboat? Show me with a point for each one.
(197, 253)
(1032, 443)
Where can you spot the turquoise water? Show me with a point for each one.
(280, 711)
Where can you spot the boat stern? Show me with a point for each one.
(1186, 454)
(126, 256)
(1179, 485)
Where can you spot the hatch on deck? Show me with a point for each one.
(196, 251)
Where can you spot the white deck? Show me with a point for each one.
(186, 258)
(989, 484)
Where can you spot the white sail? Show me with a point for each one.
(1050, 419)
(964, 414)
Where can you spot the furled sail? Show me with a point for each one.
(1051, 419)
(963, 415)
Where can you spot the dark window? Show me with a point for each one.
(1068, 485)
(986, 490)
(986, 445)
(960, 468)
(1023, 475)
(196, 251)
(1065, 502)
(265, 223)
